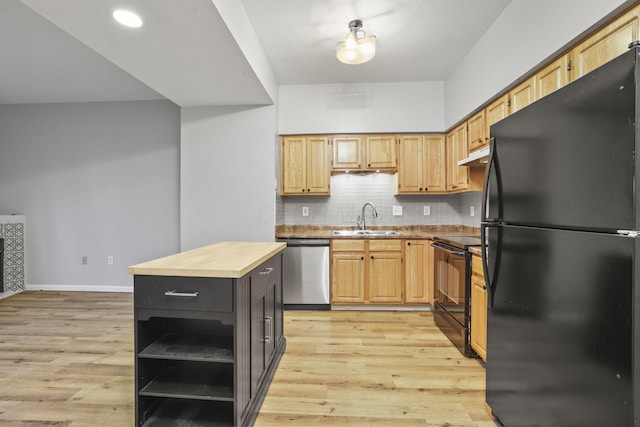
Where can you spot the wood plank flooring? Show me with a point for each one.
(373, 368)
(66, 359)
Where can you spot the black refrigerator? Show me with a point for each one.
(560, 226)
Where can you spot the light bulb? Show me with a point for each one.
(127, 18)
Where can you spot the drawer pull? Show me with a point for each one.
(268, 270)
(173, 293)
(268, 326)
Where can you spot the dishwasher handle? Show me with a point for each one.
(292, 242)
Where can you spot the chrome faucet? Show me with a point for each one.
(361, 223)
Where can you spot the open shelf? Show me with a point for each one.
(176, 412)
(202, 382)
(203, 348)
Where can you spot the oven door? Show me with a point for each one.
(450, 280)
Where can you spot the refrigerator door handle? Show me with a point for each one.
(490, 282)
(491, 171)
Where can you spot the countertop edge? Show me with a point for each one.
(156, 268)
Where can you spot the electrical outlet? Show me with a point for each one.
(84, 259)
(110, 260)
(472, 211)
(305, 211)
(397, 210)
(426, 210)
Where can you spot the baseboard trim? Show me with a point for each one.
(80, 288)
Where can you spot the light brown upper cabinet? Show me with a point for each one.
(552, 77)
(347, 152)
(604, 45)
(304, 165)
(457, 149)
(476, 126)
(522, 95)
(380, 152)
(422, 167)
(494, 112)
(364, 153)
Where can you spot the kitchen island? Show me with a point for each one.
(208, 333)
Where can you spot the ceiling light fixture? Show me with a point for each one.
(356, 48)
(127, 18)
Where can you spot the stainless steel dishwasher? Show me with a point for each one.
(306, 274)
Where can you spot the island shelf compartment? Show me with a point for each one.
(192, 414)
(186, 339)
(188, 380)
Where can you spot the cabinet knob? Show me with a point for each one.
(369, 165)
(309, 190)
(362, 258)
(371, 256)
(420, 188)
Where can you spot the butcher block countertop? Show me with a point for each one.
(224, 259)
(404, 231)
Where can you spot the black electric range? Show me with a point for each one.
(452, 303)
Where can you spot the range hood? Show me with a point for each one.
(477, 158)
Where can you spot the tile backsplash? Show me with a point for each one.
(350, 191)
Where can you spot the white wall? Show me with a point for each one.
(93, 179)
(361, 108)
(227, 184)
(523, 36)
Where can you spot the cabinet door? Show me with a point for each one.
(479, 316)
(476, 131)
(611, 41)
(434, 165)
(347, 277)
(552, 77)
(380, 152)
(457, 149)
(522, 95)
(419, 271)
(385, 277)
(293, 165)
(317, 165)
(411, 164)
(347, 153)
(496, 111)
(259, 331)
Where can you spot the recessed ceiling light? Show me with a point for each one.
(127, 18)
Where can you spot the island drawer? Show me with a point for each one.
(183, 293)
(268, 271)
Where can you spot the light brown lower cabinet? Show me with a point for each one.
(478, 308)
(418, 272)
(381, 271)
(366, 271)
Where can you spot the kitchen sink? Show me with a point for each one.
(364, 233)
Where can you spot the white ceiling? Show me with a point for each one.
(72, 50)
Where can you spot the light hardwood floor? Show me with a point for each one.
(66, 359)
